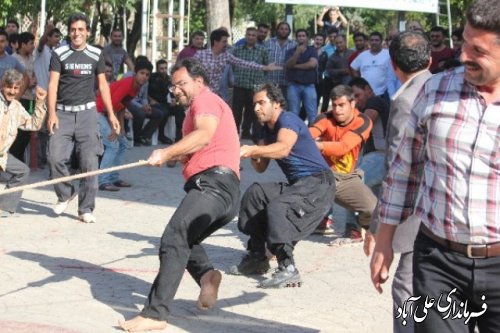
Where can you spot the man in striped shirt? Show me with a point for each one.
(446, 172)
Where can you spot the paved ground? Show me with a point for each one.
(59, 275)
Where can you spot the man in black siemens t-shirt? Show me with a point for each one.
(72, 115)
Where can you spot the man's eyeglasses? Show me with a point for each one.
(178, 85)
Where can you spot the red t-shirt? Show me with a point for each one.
(224, 148)
(440, 56)
(120, 91)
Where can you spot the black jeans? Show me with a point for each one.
(438, 270)
(178, 112)
(139, 117)
(282, 214)
(210, 203)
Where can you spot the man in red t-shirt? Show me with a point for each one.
(440, 53)
(210, 151)
(340, 135)
(122, 92)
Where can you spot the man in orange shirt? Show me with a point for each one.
(340, 134)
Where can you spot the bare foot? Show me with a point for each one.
(139, 324)
(210, 282)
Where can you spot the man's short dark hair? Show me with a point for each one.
(484, 15)
(438, 29)
(25, 38)
(53, 32)
(273, 92)
(75, 17)
(143, 64)
(13, 21)
(301, 30)
(360, 83)
(198, 33)
(342, 90)
(263, 25)
(194, 68)
(217, 34)
(410, 51)
(13, 37)
(378, 34)
(332, 30)
(359, 34)
(459, 33)
(116, 30)
(4, 33)
(319, 35)
(140, 58)
(160, 62)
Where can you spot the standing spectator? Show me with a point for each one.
(12, 29)
(440, 53)
(215, 59)
(331, 17)
(410, 56)
(9, 62)
(337, 66)
(245, 81)
(360, 45)
(116, 54)
(196, 43)
(74, 70)
(13, 117)
(25, 56)
(262, 33)
(318, 43)
(458, 39)
(445, 172)
(277, 48)
(302, 75)
(122, 92)
(328, 50)
(373, 65)
(48, 42)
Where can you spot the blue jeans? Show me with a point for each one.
(373, 166)
(114, 152)
(305, 93)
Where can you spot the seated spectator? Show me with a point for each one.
(122, 92)
(340, 135)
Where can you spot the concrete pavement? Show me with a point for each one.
(59, 275)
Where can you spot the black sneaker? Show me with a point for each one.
(283, 277)
(251, 264)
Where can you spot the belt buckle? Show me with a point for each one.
(474, 246)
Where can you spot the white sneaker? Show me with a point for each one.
(88, 218)
(61, 206)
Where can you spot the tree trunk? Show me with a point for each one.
(217, 14)
(135, 33)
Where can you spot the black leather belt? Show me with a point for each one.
(219, 170)
(470, 250)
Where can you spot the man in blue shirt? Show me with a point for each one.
(281, 214)
(302, 74)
